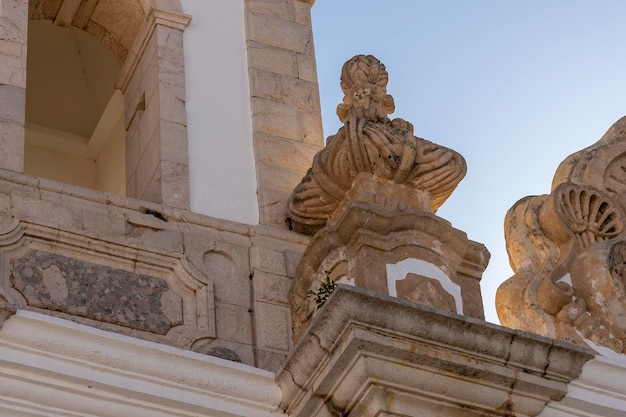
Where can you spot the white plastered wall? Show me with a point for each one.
(221, 160)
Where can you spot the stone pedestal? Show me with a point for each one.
(383, 237)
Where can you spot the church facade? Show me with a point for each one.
(177, 240)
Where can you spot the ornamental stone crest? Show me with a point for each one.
(568, 251)
(369, 142)
(370, 200)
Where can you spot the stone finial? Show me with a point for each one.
(568, 251)
(369, 200)
(371, 143)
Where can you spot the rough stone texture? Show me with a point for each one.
(370, 355)
(96, 292)
(282, 85)
(568, 250)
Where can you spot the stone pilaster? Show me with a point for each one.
(286, 119)
(13, 33)
(157, 163)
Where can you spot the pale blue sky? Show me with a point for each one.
(514, 86)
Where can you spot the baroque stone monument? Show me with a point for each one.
(568, 251)
(370, 200)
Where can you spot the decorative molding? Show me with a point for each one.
(181, 312)
(54, 367)
(598, 392)
(368, 355)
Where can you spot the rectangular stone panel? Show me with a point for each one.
(96, 292)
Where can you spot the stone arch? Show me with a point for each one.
(144, 39)
(115, 23)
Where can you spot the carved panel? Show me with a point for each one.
(567, 251)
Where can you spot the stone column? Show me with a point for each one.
(286, 119)
(157, 163)
(13, 38)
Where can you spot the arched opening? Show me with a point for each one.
(75, 124)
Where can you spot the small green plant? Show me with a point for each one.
(324, 291)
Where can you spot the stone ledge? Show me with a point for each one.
(368, 354)
(70, 369)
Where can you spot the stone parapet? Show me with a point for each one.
(367, 354)
(147, 270)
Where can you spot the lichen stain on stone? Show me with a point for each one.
(97, 292)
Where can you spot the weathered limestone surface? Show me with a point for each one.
(147, 270)
(369, 199)
(568, 251)
(13, 31)
(370, 355)
(286, 117)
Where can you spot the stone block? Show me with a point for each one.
(175, 184)
(282, 9)
(273, 207)
(46, 212)
(307, 69)
(152, 190)
(132, 147)
(284, 89)
(13, 20)
(173, 138)
(271, 288)
(267, 259)
(172, 103)
(149, 133)
(302, 12)
(170, 56)
(272, 59)
(273, 327)
(227, 266)
(12, 104)
(292, 259)
(312, 132)
(234, 323)
(12, 145)
(270, 361)
(275, 118)
(278, 177)
(280, 151)
(281, 33)
(148, 170)
(103, 226)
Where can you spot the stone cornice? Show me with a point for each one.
(69, 369)
(376, 354)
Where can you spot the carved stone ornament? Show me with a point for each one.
(369, 199)
(369, 142)
(568, 251)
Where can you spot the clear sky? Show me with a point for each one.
(514, 86)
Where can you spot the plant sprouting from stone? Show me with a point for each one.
(324, 291)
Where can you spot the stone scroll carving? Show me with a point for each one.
(369, 142)
(370, 199)
(568, 251)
